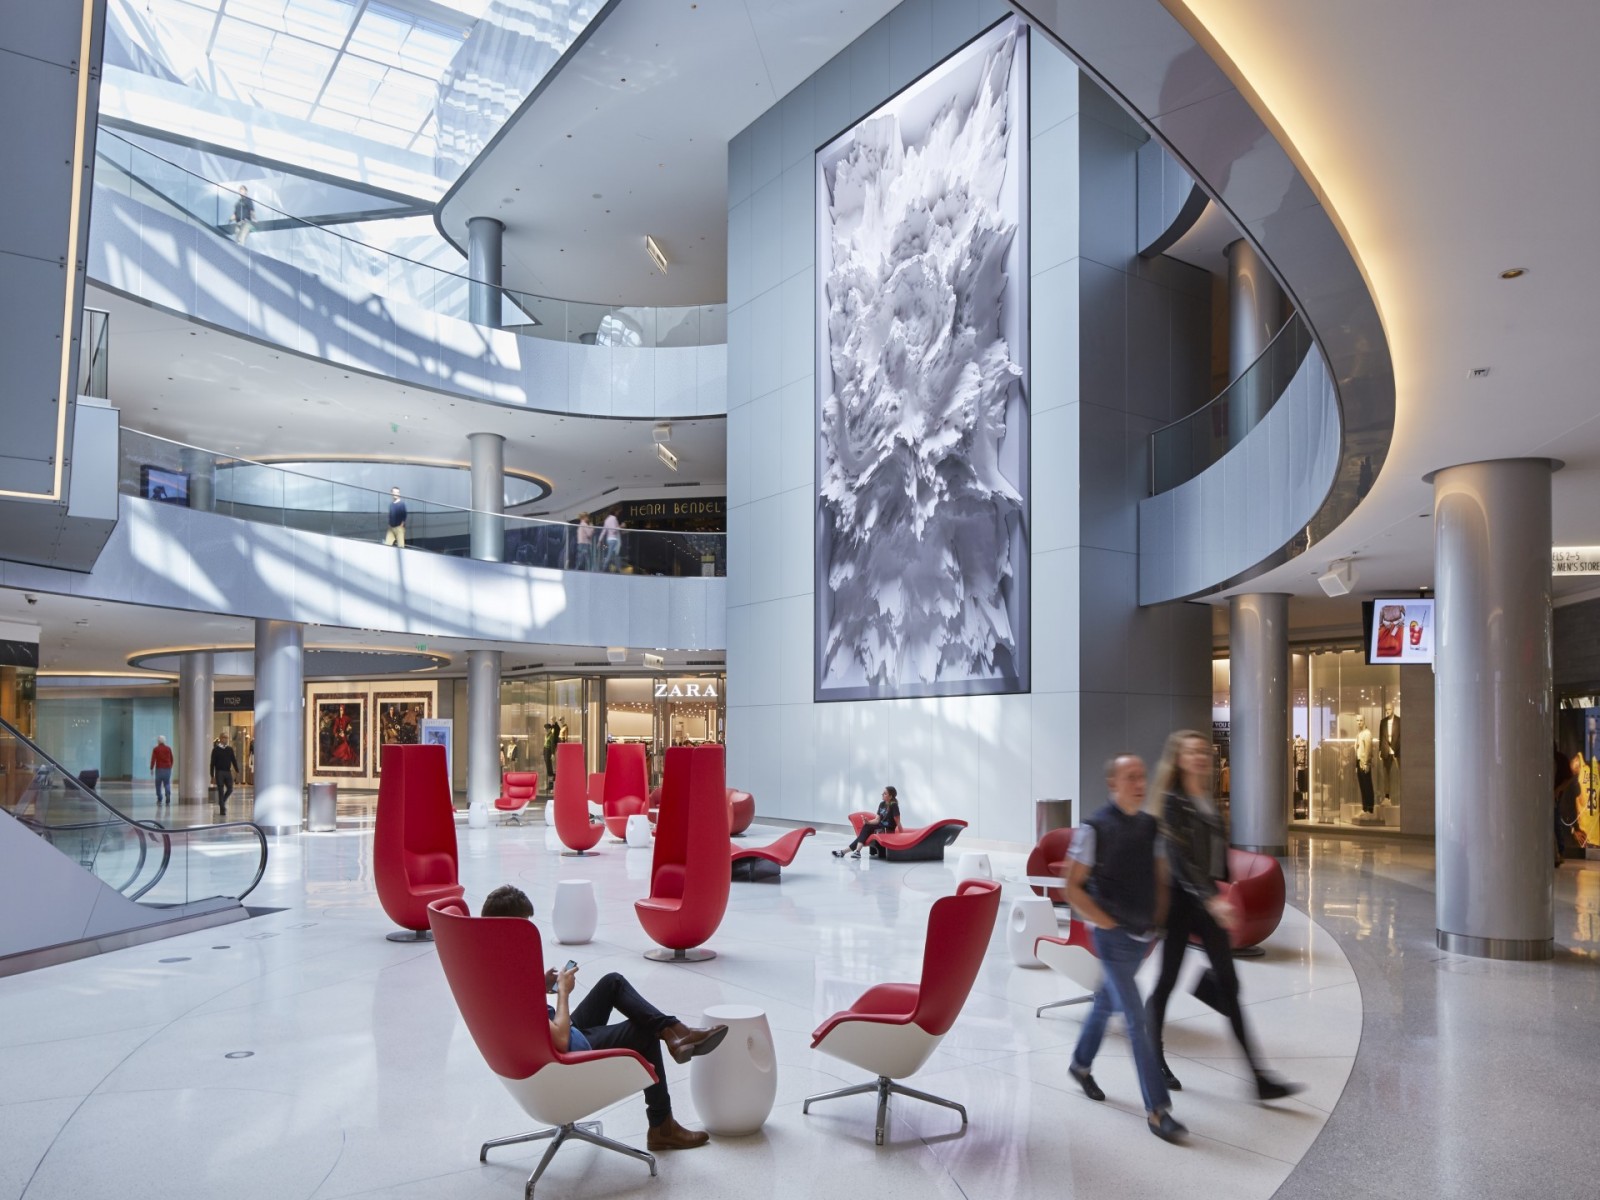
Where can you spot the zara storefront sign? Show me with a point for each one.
(686, 691)
(1575, 560)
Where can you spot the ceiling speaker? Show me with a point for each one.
(1341, 577)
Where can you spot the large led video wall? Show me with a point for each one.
(922, 400)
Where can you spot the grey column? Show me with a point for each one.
(195, 703)
(488, 497)
(483, 726)
(483, 268)
(1492, 702)
(1258, 646)
(201, 468)
(280, 725)
(1256, 312)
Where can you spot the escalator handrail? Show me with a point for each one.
(117, 816)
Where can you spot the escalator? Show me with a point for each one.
(78, 877)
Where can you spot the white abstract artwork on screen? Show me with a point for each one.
(922, 418)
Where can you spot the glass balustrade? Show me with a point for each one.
(131, 170)
(143, 860)
(158, 469)
(1182, 450)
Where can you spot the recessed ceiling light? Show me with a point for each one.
(1513, 273)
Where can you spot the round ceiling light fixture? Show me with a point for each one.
(1513, 272)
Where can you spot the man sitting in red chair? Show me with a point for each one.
(643, 1029)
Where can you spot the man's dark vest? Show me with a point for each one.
(1123, 881)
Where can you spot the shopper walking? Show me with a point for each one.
(610, 543)
(224, 766)
(244, 216)
(1196, 846)
(1117, 882)
(585, 543)
(161, 765)
(397, 520)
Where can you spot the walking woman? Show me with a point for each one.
(1197, 852)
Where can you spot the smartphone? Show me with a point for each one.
(572, 965)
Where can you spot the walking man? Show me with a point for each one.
(161, 764)
(397, 520)
(1117, 882)
(224, 766)
(244, 216)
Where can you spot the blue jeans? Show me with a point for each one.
(1120, 956)
(163, 784)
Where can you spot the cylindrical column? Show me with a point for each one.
(195, 704)
(1256, 312)
(488, 496)
(483, 732)
(201, 468)
(1258, 699)
(483, 268)
(280, 725)
(1492, 697)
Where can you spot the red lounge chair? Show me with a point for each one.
(689, 868)
(578, 833)
(517, 790)
(495, 969)
(627, 785)
(912, 845)
(1049, 857)
(414, 841)
(741, 811)
(1256, 890)
(767, 862)
(893, 1028)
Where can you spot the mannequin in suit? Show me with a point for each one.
(1364, 763)
(1389, 745)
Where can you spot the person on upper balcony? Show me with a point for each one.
(397, 520)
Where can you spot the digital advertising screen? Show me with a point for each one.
(1402, 631)
(168, 487)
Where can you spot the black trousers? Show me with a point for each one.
(640, 1031)
(1186, 916)
(868, 828)
(224, 787)
(1364, 782)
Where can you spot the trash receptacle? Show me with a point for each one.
(322, 804)
(1050, 814)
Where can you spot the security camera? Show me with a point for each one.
(31, 599)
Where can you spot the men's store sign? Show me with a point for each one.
(1575, 560)
(686, 691)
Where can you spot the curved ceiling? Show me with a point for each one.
(628, 136)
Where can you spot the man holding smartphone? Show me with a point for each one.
(643, 1029)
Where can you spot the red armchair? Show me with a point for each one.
(1255, 888)
(767, 862)
(893, 1028)
(518, 789)
(1047, 858)
(689, 871)
(578, 833)
(495, 969)
(741, 811)
(925, 844)
(1075, 957)
(414, 858)
(627, 785)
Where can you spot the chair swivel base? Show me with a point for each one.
(583, 1131)
(410, 935)
(1039, 1012)
(698, 954)
(1250, 952)
(885, 1087)
(580, 854)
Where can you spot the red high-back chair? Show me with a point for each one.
(1046, 859)
(741, 811)
(627, 786)
(518, 789)
(571, 802)
(495, 969)
(893, 1028)
(689, 870)
(414, 842)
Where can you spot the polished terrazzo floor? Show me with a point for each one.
(361, 1081)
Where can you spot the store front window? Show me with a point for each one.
(537, 715)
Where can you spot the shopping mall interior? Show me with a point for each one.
(458, 443)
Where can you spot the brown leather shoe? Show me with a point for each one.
(669, 1135)
(684, 1043)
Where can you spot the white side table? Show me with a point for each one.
(734, 1086)
(973, 865)
(639, 831)
(575, 914)
(1031, 918)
